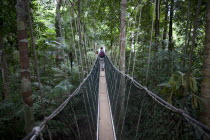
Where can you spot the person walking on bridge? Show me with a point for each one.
(102, 55)
(102, 52)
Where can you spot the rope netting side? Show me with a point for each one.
(76, 117)
(147, 116)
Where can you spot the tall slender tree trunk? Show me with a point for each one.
(191, 53)
(186, 30)
(3, 65)
(80, 39)
(1, 62)
(58, 28)
(170, 35)
(21, 9)
(205, 84)
(111, 49)
(122, 64)
(123, 35)
(194, 34)
(165, 25)
(157, 24)
(35, 56)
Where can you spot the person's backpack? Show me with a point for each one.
(101, 53)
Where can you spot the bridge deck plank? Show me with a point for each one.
(105, 122)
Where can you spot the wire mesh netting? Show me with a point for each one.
(76, 118)
(140, 114)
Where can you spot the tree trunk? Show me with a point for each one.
(80, 40)
(123, 35)
(191, 53)
(1, 62)
(122, 64)
(111, 49)
(165, 25)
(205, 84)
(35, 56)
(157, 24)
(194, 35)
(186, 31)
(21, 9)
(3, 65)
(170, 35)
(58, 28)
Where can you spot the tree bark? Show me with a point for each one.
(58, 18)
(157, 24)
(191, 53)
(3, 65)
(186, 31)
(194, 34)
(58, 28)
(165, 25)
(123, 35)
(171, 45)
(35, 56)
(21, 9)
(1, 62)
(205, 84)
(122, 65)
(80, 40)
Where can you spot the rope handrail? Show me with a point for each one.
(164, 103)
(37, 129)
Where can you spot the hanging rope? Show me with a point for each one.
(133, 68)
(62, 116)
(168, 122)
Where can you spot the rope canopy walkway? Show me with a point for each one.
(144, 115)
(76, 117)
(137, 112)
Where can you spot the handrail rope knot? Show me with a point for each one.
(37, 130)
(180, 111)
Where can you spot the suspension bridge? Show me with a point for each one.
(97, 109)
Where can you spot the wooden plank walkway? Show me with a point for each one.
(105, 130)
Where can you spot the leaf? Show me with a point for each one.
(194, 101)
(164, 85)
(193, 84)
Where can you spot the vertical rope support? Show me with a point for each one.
(91, 113)
(49, 133)
(134, 60)
(93, 104)
(75, 119)
(88, 116)
(113, 86)
(150, 45)
(139, 118)
(92, 91)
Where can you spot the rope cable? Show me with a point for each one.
(192, 127)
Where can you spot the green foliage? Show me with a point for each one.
(100, 23)
(179, 86)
